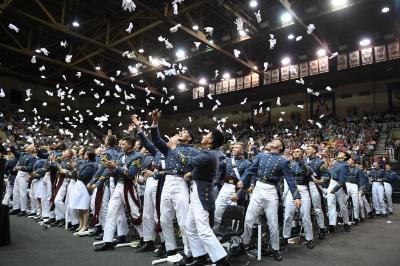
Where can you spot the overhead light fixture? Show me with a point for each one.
(180, 54)
(385, 9)
(253, 3)
(98, 68)
(154, 61)
(255, 67)
(285, 61)
(141, 50)
(141, 81)
(365, 42)
(226, 75)
(290, 36)
(321, 52)
(202, 81)
(75, 23)
(181, 86)
(338, 3)
(286, 18)
(195, 27)
(242, 33)
(211, 41)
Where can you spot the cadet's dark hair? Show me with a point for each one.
(61, 146)
(218, 138)
(91, 155)
(112, 141)
(131, 141)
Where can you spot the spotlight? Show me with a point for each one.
(285, 61)
(141, 50)
(181, 86)
(365, 42)
(290, 36)
(98, 68)
(195, 27)
(211, 41)
(338, 3)
(242, 33)
(321, 52)
(286, 18)
(226, 75)
(180, 54)
(385, 9)
(203, 81)
(155, 61)
(255, 67)
(141, 81)
(253, 3)
(75, 24)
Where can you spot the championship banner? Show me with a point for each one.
(294, 71)
(275, 75)
(255, 79)
(211, 89)
(313, 67)
(267, 77)
(380, 53)
(239, 82)
(201, 92)
(218, 88)
(303, 69)
(225, 86)
(323, 64)
(284, 73)
(354, 59)
(342, 62)
(393, 50)
(195, 93)
(247, 81)
(232, 84)
(367, 56)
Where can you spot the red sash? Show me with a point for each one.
(97, 204)
(56, 188)
(128, 188)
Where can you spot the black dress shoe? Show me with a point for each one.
(171, 252)
(72, 228)
(147, 246)
(61, 223)
(346, 227)
(160, 252)
(362, 220)
(21, 213)
(390, 213)
(106, 246)
(277, 256)
(356, 222)
(384, 215)
(199, 261)
(96, 231)
(321, 234)
(222, 262)
(310, 244)
(331, 229)
(184, 261)
(238, 251)
(14, 212)
(371, 215)
(120, 240)
(50, 221)
(99, 237)
(55, 223)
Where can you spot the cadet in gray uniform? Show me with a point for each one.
(376, 176)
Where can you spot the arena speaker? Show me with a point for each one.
(4, 216)
(16, 97)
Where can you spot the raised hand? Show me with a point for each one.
(155, 115)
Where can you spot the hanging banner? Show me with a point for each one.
(354, 59)
(393, 50)
(303, 69)
(195, 93)
(239, 82)
(294, 71)
(313, 67)
(247, 81)
(380, 53)
(211, 89)
(275, 75)
(218, 88)
(267, 78)
(284, 73)
(255, 79)
(342, 62)
(225, 86)
(323, 64)
(201, 92)
(367, 56)
(232, 84)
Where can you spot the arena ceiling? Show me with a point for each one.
(98, 43)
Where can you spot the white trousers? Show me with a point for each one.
(73, 214)
(305, 210)
(364, 205)
(47, 192)
(20, 191)
(59, 200)
(223, 200)
(388, 195)
(116, 207)
(317, 205)
(378, 198)
(104, 204)
(32, 196)
(339, 196)
(201, 237)
(264, 198)
(174, 201)
(9, 191)
(352, 191)
(150, 217)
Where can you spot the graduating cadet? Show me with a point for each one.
(376, 176)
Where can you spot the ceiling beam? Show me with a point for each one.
(44, 9)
